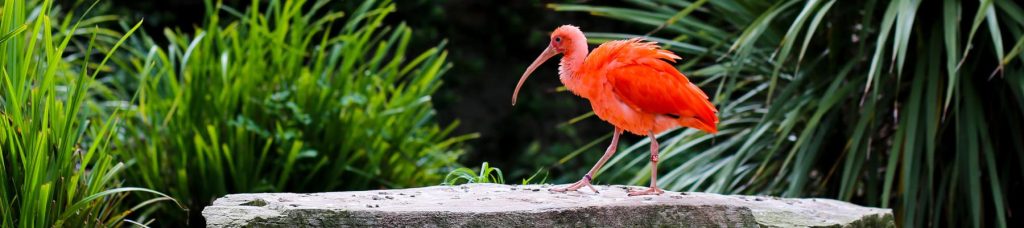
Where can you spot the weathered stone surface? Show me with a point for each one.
(493, 205)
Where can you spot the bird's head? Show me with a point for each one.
(567, 38)
(564, 40)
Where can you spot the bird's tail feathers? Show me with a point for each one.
(710, 128)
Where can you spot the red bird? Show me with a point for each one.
(630, 84)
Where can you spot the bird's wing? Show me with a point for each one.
(641, 76)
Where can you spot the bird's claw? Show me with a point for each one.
(576, 186)
(648, 191)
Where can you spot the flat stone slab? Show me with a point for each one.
(494, 205)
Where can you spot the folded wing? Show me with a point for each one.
(641, 76)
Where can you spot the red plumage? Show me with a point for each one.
(640, 76)
(630, 84)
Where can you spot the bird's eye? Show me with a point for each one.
(558, 39)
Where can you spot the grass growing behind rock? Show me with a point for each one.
(282, 97)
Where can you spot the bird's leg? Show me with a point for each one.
(653, 190)
(585, 181)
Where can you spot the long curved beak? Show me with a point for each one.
(547, 54)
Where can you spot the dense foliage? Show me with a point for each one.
(284, 96)
(885, 103)
(280, 96)
(56, 167)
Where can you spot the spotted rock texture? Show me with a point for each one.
(494, 205)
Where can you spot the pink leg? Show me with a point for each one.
(585, 181)
(653, 190)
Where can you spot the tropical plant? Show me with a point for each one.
(55, 164)
(282, 96)
(886, 103)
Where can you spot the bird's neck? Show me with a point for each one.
(569, 68)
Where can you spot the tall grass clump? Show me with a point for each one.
(56, 165)
(889, 103)
(283, 97)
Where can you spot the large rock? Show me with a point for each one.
(493, 205)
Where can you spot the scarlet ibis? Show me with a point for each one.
(630, 84)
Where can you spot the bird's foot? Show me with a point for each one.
(648, 191)
(585, 182)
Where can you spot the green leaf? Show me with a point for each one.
(13, 33)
